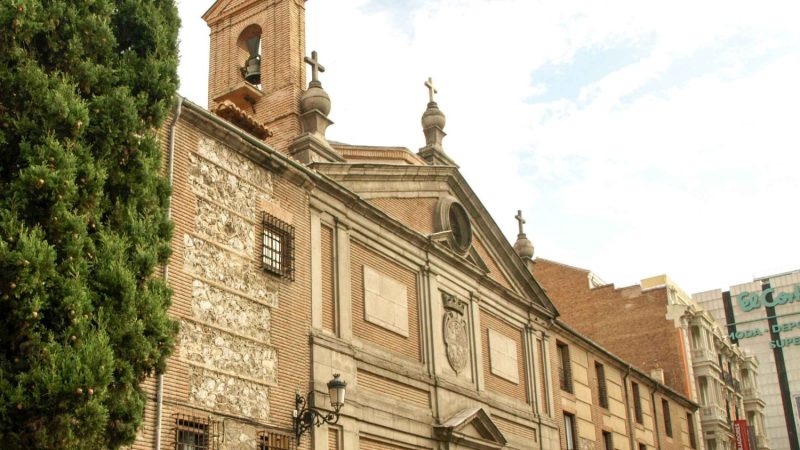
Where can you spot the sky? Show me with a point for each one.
(637, 137)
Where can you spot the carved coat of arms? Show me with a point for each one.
(455, 332)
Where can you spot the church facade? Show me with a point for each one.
(299, 263)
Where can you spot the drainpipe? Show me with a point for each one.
(655, 415)
(170, 169)
(632, 430)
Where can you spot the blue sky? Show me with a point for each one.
(637, 137)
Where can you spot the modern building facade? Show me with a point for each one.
(299, 263)
(763, 316)
(657, 327)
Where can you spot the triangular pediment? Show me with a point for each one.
(222, 8)
(414, 195)
(471, 427)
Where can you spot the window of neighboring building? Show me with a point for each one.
(191, 433)
(278, 247)
(608, 440)
(570, 432)
(667, 417)
(642, 447)
(564, 367)
(692, 437)
(602, 391)
(637, 403)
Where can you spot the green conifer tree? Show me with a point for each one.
(84, 87)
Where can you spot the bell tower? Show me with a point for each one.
(256, 63)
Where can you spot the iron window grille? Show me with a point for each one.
(637, 403)
(564, 367)
(667, 417)
(272, 440)
(277, 255)
(195, 433)
(602, 390)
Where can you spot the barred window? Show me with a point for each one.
(602, 391)
(271, 440)
(637, 403)
(667, 417)
(564, 367)
(194, 433)
(278, 249)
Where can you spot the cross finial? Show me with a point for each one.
(431, 90)
(520, 220)
(316, 67)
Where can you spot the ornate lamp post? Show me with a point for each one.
(306, 416)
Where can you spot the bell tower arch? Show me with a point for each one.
(256, 62)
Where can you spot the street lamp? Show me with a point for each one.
(306, 416)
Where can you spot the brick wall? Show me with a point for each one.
(409, 346)
(626, 321)
(283, 71)
(493, 382)
(416, 213)
(236, 320)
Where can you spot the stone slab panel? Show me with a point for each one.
(221, 392)
(233, 271)
(503, 356)
(226, 352)
(385, 301)
(224, 227)
(215, 306)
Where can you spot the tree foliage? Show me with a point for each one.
(84, 87)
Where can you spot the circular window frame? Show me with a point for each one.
(452, 216)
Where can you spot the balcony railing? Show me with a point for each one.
(704, 356)
(749, 392)
(713, 413)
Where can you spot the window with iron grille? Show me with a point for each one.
(564, 367)
(602, 391)
(278, 250)
(667, 417)
(194, 433)
(271, 440)
(637, 403)
(608, 440)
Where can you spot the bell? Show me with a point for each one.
(252, 68)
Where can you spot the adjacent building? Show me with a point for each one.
(657, 327)
(763, 317)
(299, 264)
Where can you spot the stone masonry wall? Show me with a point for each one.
(227, 339)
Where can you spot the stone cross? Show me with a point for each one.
(431, 89)
(316, 67)
(520, 220)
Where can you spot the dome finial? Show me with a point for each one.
(523, 246)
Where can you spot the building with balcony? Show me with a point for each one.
(763, 317)
(693, 351)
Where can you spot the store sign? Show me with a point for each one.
(749, 301)
(742, 435)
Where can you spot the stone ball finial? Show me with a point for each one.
(433, 117)
(524, 247)
(315, 98)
